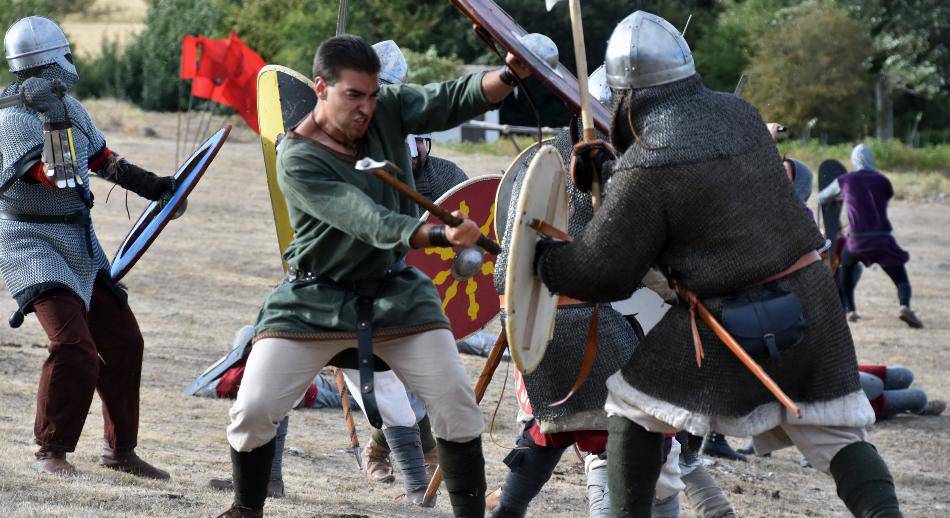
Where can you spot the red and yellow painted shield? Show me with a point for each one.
(470, 303)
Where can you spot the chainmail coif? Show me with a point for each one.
(706, 199)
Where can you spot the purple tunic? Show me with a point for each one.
(866, 193)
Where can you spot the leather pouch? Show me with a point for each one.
(766, 321)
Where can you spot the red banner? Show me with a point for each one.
(224, 71)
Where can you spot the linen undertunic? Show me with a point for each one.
(350, 226)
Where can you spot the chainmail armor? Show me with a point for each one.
(46, 255)
(565, 353)
(709, 204)
(438, 176)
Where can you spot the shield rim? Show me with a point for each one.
(509, 40)
(507, 185)
(439, 201)
(545, 308)
(152, 221)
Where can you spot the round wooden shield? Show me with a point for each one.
(528, 302)
(284, 97)
(154, 217)
(472, 302)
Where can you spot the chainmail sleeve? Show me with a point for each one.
(630, 225)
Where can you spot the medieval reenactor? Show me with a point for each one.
(348, 286)
(870, 239)
(51, 260)
(580, 421)
(739, 253)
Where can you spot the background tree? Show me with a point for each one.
(812, 65)
(911, 60)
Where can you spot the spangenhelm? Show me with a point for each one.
(646, 50)
(393, 69)
(35, 41)
(598, 87)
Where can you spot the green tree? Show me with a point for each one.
(911, 54)
(430, 67)
(799, 72)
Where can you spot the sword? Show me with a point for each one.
(481, 385)
(348, 416)
(387, 171)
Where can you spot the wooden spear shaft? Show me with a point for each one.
(587, 119)
(348, 417)
(481, 385)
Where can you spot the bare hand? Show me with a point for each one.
(465, 234)
(517, 66)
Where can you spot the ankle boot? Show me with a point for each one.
(126, 461)
(376, 464)
(463, 468)
(250, 473)
(864, 482)
(716, 445)
(53, 462)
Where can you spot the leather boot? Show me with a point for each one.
(431, 459)
(126, 461)
(275, 488)
(250, 472)
(237, 511)
(716, 445)
(51, 462)
(910, 318)
(376, 463)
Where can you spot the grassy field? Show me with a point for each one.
(107, 20)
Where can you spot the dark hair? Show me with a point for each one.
(340, 52)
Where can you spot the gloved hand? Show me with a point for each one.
(589, 159)
(167, 198)
(46, 97)
(543, 245)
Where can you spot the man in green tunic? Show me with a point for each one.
(347, 279)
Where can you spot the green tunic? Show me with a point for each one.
(350, 226)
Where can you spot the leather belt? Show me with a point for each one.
(366, 292)
(80, 217)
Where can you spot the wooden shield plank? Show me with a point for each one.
(469, 303)
(529, 304)
(154, 218)
(284, 97)
(507, 32)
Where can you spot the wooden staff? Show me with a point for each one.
(587, 120)
(348, 416)
(481, 385)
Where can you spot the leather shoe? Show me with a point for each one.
(51, 462)
(126, 461)
(275, 487)
(239, 511)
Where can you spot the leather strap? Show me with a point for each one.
(562, 300)
(692, 298)
(546, 229)
(80, 217)
(590, 354)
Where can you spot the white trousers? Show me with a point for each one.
(393, 401)
(279, 370)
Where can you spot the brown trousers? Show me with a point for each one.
(100, 350)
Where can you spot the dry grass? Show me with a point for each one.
(106, 20)
(209, 272)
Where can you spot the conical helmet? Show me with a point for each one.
(35, 41)
(646, 50)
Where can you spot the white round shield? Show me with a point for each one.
(529, 304)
